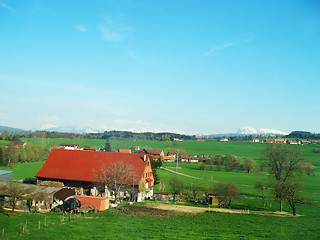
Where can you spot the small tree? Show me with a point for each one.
(193, 190)
(231, 162)
(177, 186)
(202, 165)
(218, 161)
(107, 146)
(293, 195)
(226, 192)
(248, 165)
(115, 176)
(261, 186)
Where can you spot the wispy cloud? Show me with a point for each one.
(80, 28)
(133, 55)
(219, 47)
(250, 37)
(111, 35)
(114, 30)
(6, 6)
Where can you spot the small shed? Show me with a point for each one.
(98, 203)
(161, 196)
(212, 200)
(6, 175)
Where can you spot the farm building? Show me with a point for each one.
(79, 169)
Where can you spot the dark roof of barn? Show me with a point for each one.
(81, 165)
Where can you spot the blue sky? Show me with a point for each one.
(181, 66)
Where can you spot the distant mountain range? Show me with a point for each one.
(246, 131)
(11, 129)
(73, 129)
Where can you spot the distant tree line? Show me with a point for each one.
(12, 154)
(304, 135)
(227, 162)
(112, 135)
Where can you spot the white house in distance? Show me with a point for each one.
(224, 139)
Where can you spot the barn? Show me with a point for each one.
(78, 169)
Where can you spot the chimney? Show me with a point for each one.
(144, 158)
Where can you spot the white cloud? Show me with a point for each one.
(219, 47)
(80, 28)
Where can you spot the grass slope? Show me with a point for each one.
(210, 225)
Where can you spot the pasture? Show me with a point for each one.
(111, 224)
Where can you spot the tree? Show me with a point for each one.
(155, 164)
(231, 162)
(177, 186)
(261, 186)
(193, 190)
(15, 191)
(107, 146)
(284, 162)
(210, 160)
(115, 176)
(248, 165)
(202, 165)
(218, 161)
(226, 192)
(11, 154)
(2, 157)
(293, 195)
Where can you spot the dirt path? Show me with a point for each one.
(197, 210)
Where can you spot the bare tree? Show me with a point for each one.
(284, 163)
(226, 192)
(177, 185)
(115, 176)
(15, 191)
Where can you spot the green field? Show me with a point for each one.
(110, 225)
(210, 225)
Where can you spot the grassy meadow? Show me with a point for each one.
(209, 225)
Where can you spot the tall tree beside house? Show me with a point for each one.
(155, 164)
(107, 147)
(116, 176)
(284, 163)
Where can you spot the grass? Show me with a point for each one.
(24, 170)
(110, 225)
(209, 225)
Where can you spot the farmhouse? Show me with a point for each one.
(69, 146)
(78, 169)
(124, 150)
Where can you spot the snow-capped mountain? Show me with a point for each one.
(72, 129)
(252, 131)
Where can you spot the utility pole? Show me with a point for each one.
(177, 157)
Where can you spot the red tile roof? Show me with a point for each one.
(80, 165)
(156, 151)
(124, 150)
